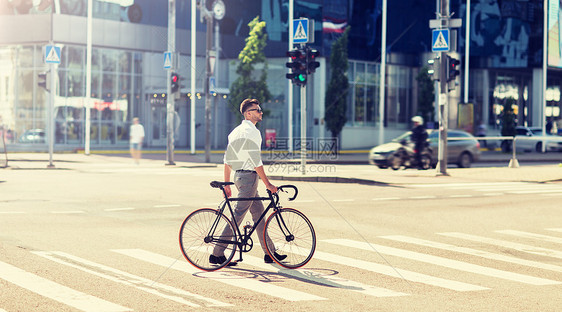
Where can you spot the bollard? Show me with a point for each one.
(513, 163)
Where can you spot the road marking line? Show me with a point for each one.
(552, 194)
(220, 276)
(474, 252)
(329, 280)
(451, 185)
(535, 191)
(493, 194)
(68, 212)
(398, 273)
(118, 209)
(422, 197)
(57, 292)
(460, 196)
(546, 238)
(166, 206)
(122, 277)
(387, 198)
(520, 247)
(445, 262)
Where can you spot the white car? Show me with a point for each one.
(531, 139)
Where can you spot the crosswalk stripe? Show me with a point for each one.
(469, 185)
(398, 273)
(445, 262)
(520, 247)
(329, 280)
(535, 191)
(555, 229)
(545, 238)
(122, 277)
(57, 292)
(473, 252)
(219, 276)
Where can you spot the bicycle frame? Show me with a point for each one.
(243, 239)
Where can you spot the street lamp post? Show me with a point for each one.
(209, 16)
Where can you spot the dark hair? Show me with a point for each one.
(247, 103)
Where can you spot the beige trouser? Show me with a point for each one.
(247, 185)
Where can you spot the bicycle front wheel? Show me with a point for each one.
(288, 232)
(204, 232)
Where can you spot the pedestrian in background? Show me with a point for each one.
(419, 137)
(136, 137)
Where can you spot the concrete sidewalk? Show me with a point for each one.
(318, 172)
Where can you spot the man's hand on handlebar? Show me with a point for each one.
(272, 188)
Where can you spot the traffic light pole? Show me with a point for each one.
(443, 102)
(51, 115)
(303, 129)
(170, 103)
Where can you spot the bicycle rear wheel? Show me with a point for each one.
(201, 232)
(289, 232)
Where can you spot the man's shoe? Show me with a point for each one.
(220, 260)
(217, 260)
(267, 258)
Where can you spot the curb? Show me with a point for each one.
(329, 180)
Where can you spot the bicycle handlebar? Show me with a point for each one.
(280, 189)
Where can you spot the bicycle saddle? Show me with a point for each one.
(217, 184)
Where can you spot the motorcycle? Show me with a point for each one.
(405, 157)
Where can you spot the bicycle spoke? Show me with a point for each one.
(196, 228)
(290, 234)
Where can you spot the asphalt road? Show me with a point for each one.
(103, 237)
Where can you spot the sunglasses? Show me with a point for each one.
(259, 110)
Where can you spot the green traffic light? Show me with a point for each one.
(301, 78)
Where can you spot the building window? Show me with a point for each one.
(364, 94)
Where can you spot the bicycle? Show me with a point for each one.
(289, 231)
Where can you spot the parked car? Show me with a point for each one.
(460, 152)
(531, 139)
(33, 136)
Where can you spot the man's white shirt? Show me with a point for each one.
(244, 147)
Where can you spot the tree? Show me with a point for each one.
(250, 83)
(336, 96)
(426, 94)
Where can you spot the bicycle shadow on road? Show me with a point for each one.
(317, 276)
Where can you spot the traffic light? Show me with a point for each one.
(311, 63)
(453, 66)
(433, 70)
(174, 82)
(43, 80)
(298, 67)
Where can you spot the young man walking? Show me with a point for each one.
(243, 156)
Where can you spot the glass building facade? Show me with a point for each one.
(128, 79)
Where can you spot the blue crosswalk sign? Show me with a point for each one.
(52, 54)
(300, 30)
(440, 41)
(167, 60)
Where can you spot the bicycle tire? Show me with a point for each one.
(298, 246)
(193, 231)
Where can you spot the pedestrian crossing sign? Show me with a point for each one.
(167, 60)
(52, 54)
(300, 30)
(440, 41)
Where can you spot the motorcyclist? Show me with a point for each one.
(419, 137)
